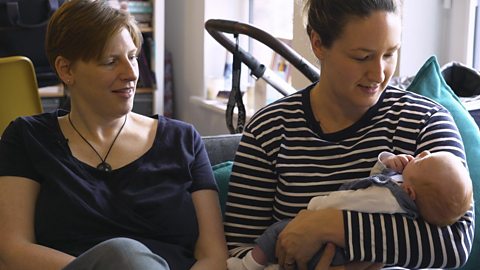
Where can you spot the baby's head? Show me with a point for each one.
(440, 185)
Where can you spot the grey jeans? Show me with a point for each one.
(118, 253)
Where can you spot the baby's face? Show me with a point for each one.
(424, 168)
(419, 167)
(429, 167)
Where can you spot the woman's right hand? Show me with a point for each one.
(306, 234)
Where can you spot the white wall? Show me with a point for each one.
(435, 27)
(431, 27)
(301, 44)
(424, 24)
(159, 35)
(184, 39)
(194, 52)
(461, 30)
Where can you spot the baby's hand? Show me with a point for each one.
(397, 162)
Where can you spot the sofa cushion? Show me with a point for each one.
(429, 82)
(221, 151)
(222, 173)
(221, 148)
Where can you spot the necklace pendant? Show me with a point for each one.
(104, 166)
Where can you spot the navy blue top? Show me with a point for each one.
(79, 206)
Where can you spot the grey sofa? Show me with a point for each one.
(221, 151)
(221, 148)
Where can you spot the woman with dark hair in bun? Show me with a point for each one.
(330, 133)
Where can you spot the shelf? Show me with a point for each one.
(144, 90)
(146, 29)
(54, 91)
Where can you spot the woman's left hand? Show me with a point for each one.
(306, 234)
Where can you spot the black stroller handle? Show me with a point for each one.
(215, 26)
(258, 70)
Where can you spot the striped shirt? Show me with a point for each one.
(284, 160)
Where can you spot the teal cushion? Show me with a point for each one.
(222, 173)
(429, 82)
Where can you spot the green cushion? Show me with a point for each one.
(222, 173)
(429, 82)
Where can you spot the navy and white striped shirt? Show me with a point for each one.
(284, 160)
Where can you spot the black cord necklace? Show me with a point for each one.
(103, 166)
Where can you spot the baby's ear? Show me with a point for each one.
(410, 191)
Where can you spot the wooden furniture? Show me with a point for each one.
(18, 89)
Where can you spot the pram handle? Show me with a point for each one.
(258, 70)
(215, 26)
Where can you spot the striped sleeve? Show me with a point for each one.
(397, 240)
(250, 197)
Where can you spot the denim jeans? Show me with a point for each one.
(118, 253)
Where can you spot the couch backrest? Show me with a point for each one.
(221, 148)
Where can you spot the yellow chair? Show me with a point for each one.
(18, 89)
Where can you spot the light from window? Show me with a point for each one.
(476, 44)
(276, 18)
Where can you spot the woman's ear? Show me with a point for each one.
(63, 66)
(316, 44)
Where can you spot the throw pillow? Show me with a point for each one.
(429, 82)
(222, 172)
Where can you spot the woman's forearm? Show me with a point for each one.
(31, 256)
(391, 239)
(249, 209)
(398, 240)
(211, 248)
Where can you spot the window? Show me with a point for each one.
(274, 17)
(476, 39)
